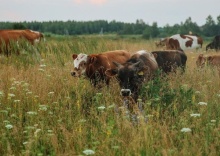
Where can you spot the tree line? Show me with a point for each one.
(71, 27)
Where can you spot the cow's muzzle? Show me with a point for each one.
(73, 74)
(125, 92)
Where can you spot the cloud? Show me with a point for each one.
(94, 2)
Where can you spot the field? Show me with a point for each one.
(46, 111)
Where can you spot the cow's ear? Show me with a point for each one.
(74, 56)
(155, 55)
(111, 72)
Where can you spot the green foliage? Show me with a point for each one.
(160, 95)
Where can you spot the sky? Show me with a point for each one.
(161, 11)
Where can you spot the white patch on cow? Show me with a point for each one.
(183, 41)
(81, 57)
(141, 52)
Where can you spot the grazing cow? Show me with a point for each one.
(9, 36)
(211, 60)
(133, 73)
(161, 42)
(215, 44)
(95, 65)
(184, 42)
(169, 60)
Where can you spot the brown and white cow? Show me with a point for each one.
(184, 42)
(170, 60)
(95, 65)
(9, 36)
(210, 60)
(133, 73)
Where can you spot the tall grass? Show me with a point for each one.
(45, 111)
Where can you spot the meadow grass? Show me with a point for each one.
(46, 111)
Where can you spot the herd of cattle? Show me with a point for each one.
(133, 69)
(130, 69)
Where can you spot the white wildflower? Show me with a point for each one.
(40, 69)
(16, 101)
(195, 115)
(51, 93)
(11, 95)
(202, 103)
(32, 113)
(9, 126)
(213, 120)
(43, 65)
(101, 107)
(186, 130)
(88, 152)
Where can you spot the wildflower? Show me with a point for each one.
(43, 65)
(16, 101)
(28, 93)
(195, 115)
(88, 152)
(32, 113)
(197, 92)
(51, 93)
(11, 95)
(36, 132)
(101, 108)
(12, 88)
(186, 130)
(43, 107)
(9, 126)
(26, 142)
(40, 69)
(202, 103)
(213, 120)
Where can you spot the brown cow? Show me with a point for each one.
(9, 36)
(184, 42)
(132, 74)
(161, 43)
(170, 60)
(95, 65)
(211, 60)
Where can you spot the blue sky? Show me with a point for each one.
(161, 11)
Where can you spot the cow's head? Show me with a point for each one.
(79, 62)
(202, 60)
(130, 77)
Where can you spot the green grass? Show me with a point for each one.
(46, 111)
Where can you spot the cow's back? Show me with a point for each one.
(170, 59)
(109, 57)
(184, 42)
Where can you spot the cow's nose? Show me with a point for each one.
(125, 92)
(73, 73)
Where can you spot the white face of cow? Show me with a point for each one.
(79, 65)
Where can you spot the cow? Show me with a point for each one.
(134, 72)
(8, 36)
(211, 60)
(215, 44)
(161, 42)
(93, 66)
(169, 60)
(184, 42)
